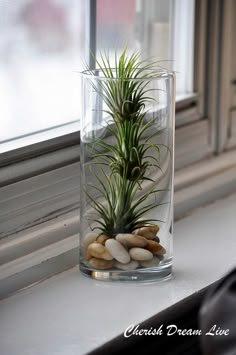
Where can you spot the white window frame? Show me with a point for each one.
(184, 52)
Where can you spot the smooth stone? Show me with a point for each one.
(101, 239)
(99, 251)
(150, 263)
(87, 255)
(131, 240)
(148, 232)
(132, 265)
(100, 264)
(140, 254)
(161, 251)
(117, 251)
(154, 247)
(88, 239)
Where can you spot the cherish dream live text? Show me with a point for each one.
(172, 329)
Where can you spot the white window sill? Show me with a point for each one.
(69, 314)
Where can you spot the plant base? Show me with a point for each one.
(158, 273)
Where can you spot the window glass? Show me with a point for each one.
(41, 42)
(163, 29)
(42, 45)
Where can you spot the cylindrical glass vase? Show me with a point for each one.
(127, 155)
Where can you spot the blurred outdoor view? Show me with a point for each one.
(44, 42)
(41, 42)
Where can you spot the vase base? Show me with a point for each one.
(158, 273)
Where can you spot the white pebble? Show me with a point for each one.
(131, 240)
(140, 254)
(117, 251)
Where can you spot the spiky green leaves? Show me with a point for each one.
(119, 210)
(130, 156)
(127, 94)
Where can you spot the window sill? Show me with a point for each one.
(70, 314)
(41, 238)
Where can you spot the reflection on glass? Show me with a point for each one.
(163, 29)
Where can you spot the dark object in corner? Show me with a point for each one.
(215, 304)
(218, 314)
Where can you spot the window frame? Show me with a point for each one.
(48, 156)
(194, 108)
(188, 110)
(42, 234)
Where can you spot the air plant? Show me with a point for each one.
(128, 159)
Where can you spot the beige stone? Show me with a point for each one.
(140, 254)
(100, 264)
(148, 232)
(101, 239)
(87, 255)
(99, 251)
(88, 239)
(117, 250)
(131, 240)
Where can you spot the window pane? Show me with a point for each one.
(41, 43)
(160, 28)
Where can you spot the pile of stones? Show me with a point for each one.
(126, 251)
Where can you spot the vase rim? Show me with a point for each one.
(159, 74)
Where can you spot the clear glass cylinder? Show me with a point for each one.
(127, 165)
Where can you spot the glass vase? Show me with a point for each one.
(127, 164)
